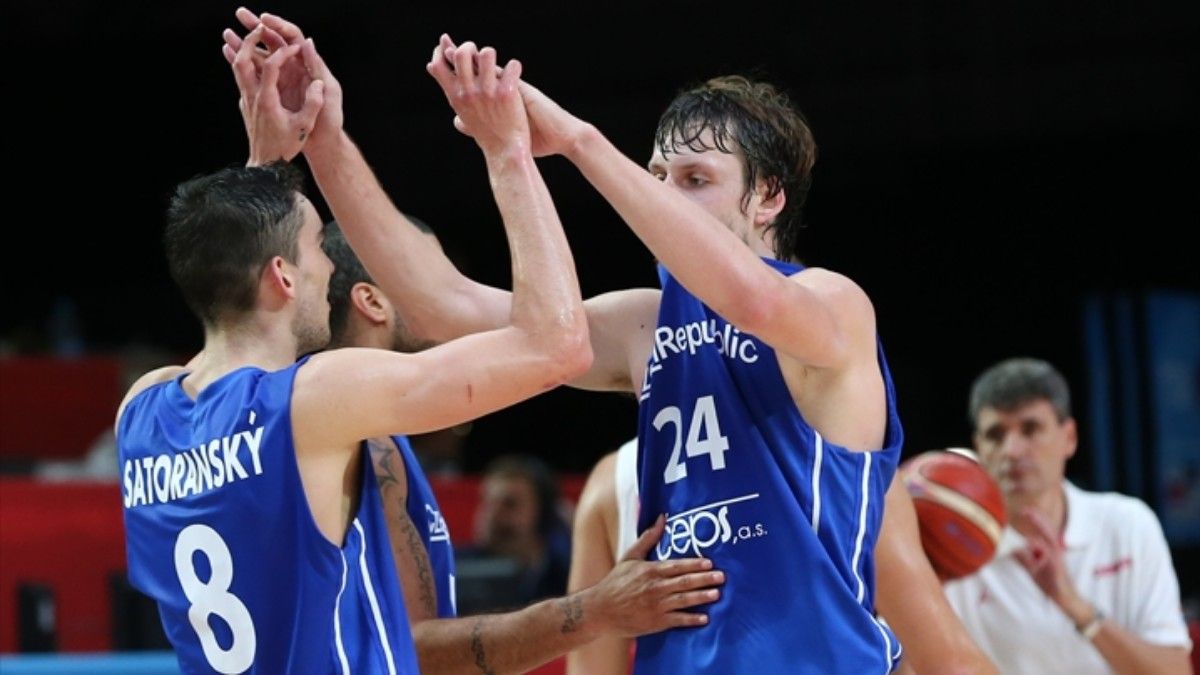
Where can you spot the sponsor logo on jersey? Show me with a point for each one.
(693, 532)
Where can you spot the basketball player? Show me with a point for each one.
(909, 595)
(251, 516)
(1082, 582)
(361, 315)
(636, 598)
(768, 421)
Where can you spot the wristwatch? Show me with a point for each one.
(1089, 630)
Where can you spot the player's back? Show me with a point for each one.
(744, 480)
(219, 532)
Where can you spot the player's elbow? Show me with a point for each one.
(568, 347)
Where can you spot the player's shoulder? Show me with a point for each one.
(150, 379)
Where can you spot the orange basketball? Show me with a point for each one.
(960, 509)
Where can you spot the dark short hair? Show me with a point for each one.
(758, 121)
(347, 271)
(223, 227)
(1014, 382)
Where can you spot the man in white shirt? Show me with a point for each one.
(1082, 582)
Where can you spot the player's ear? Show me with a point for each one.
(768, 205)
(369, 301)
(278, 278)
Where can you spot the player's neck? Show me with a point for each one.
(266, 347)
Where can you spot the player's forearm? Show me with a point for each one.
(514, 642)
(546, 302)
(1128, 654)
(437, 301)
(697, 248)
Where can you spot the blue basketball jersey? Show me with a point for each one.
(427, 517)
(789, 517)
(220, 535)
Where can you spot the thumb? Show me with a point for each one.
(462, 126)
(641, 547)
(314, 99)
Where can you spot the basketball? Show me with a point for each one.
(960, 509)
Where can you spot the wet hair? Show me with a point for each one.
(1015, 382)
(544, 483)
(761, 124)
(223, 227)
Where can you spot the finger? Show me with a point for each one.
(438, 66)
(694, 581)
(464, 65)
(641, 547)
(680, 566)
(273, 39)
(462, 126)
(290, 31)
(315, 64)
(314, 99)
(485, 62)
(448, 48)
(233, 43)
(685, 619)
(232, 39)
(243, 66)
(510, 76)
(247, 18)
(690, 599)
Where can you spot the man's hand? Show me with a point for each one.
(296, 76)
(1043, 559)
(553, 131)
(639, 597)
(484, 96)
(274, 132)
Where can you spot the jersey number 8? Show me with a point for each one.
(213, 598)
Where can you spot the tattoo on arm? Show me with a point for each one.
(572, 609)
(383, 453)
(477, 648)
(420, 558)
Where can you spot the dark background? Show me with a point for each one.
(985, 166)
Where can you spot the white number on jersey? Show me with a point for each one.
(213, 597)
(704, 422)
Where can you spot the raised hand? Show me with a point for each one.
(554, 130)
(296, 75)
(639, 597)
(274, 131)
(484, 97)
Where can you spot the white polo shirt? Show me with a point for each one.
(1117, 557)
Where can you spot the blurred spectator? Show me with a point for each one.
(520, 520)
